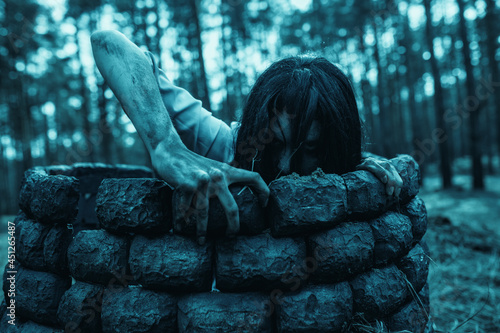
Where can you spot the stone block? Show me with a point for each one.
(55, 249)
(417, 213)
(414, 316)
(415, 265)
(409, 171)
(97, 256)
(30, 237)
(221, 312)
(138, 205)
(393, 237)
(171, 263)
(379, 292)
(366, 195)
(80, 308)
(257, 263)
(49, 199)
(299, 205)
(38, 295)
(341, 252)
(319, 308)
(90, 176)
(138, 310)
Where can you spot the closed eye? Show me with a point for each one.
(310, 145)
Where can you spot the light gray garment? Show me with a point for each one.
(199, 130)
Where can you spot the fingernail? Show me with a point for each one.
(398, 192)
(201, 240)
(391, 190)
(385, 179)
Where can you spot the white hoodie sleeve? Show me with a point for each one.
(201, 132)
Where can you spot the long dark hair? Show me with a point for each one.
(307, 89)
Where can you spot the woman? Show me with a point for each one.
(301, 114)
(309, 106)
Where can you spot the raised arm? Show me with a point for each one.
(128, 73)
(198, 129)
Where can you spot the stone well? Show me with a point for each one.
(97, 251)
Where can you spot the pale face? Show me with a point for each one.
(282, 146)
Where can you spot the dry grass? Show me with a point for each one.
(464, 278)
(464, 240)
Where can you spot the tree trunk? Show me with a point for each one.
(493, 64)
(462, 135)
(159, 31)
(410, 83)
(26, 121)
(204, 93)
(366, 90)
(119, 146)
(228, 112)
(104, 127)
(445, 166)
(383, 116)
(475, 138)
(86, 106)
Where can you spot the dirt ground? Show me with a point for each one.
(464, 240)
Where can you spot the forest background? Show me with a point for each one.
(425, 74)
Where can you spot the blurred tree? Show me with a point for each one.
(199, 48)
(439, 108)
(488, 117)
(19, 45)
(185, 16)
(81, 12)
(475, 136)
(234, 36)
(409, 59)
(55, 107)
(383, 94)
(491, 25)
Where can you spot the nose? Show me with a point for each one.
(284, 163)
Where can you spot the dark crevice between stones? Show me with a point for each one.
(214, 269)
(348, 206)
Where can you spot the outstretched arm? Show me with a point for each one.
(128, 73)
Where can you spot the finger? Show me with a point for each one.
(397, 192)
(398, 183)
(367, 160)
(231, 208)
(253, 179)
(201, 204)
(389, 190)
(395, 179)
(380, 172)
(182, 206)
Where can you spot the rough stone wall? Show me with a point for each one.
(330, 253)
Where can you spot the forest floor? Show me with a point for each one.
(464, 239)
